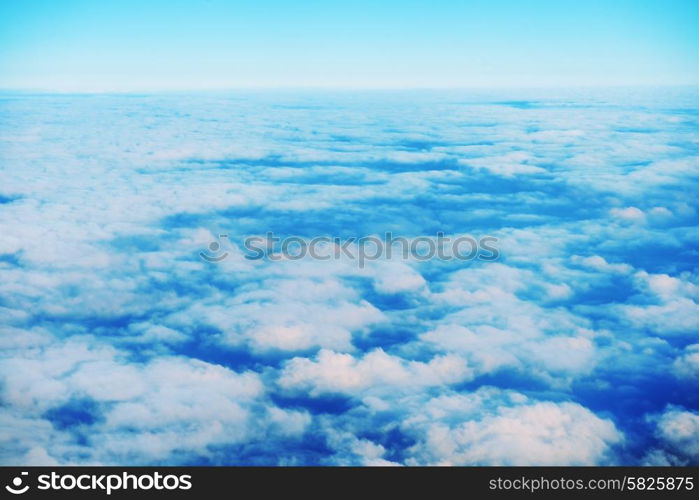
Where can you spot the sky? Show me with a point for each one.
(188, 45)
(121, 345)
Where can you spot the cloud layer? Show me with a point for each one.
(120, 345)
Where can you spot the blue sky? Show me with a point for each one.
(135, 45)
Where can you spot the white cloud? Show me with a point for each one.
(143, 409)
(464, 430)
(397, 278)
(686, 366)
(285, 314)
(631, 214)
(673, 309)
(376, 371)
(599, 263)
(679, 431)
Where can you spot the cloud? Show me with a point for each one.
(508, 165)
(631, 214)
(678, 431)
(687, 365)
(120, 345)
(134, 411)
(670, 307)
(285, 314)
(398, 278)
(531, 433)
(600, 264)
(375, 371)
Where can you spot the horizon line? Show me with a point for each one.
(322, 88)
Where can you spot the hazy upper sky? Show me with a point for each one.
(87, 45)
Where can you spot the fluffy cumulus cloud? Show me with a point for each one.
(687, 365)
(376, 371)
(677, 430)
(94, 404)
(122, 345)
(542, 433)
